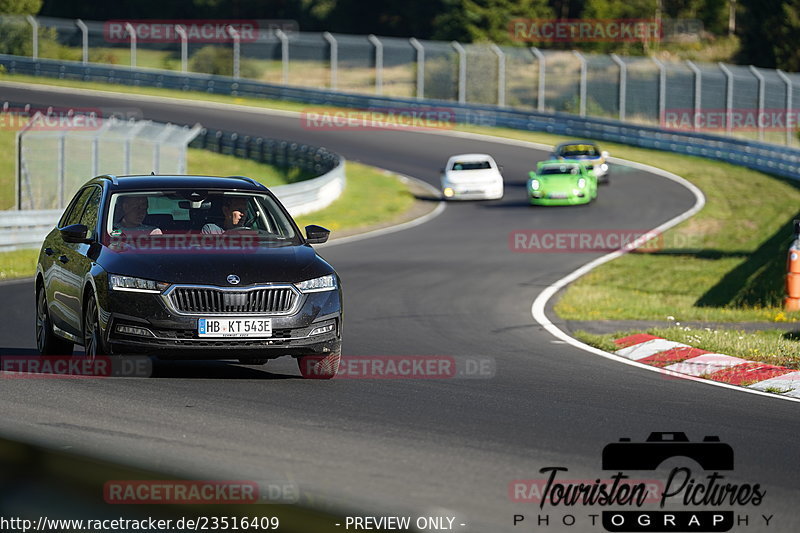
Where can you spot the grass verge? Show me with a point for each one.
(725, 264)
(775, 347)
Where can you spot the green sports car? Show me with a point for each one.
(562, 182)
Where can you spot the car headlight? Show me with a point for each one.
(603, 167)
(324, 283)
(581, 183)
(129, 283)
(535, 185)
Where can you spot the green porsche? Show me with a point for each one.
(562, 182)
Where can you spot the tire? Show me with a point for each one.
(93, 342)
(320, 366)
(47, 341)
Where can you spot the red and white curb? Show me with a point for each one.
(684, 359)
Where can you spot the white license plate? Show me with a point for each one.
(559, 195)
(234, 327)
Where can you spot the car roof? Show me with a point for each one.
(568, 143)
(472, 157)
(559, 162)
(159, 182)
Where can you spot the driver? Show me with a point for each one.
(234, 209)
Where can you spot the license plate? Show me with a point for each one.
(234, 327)
(558, 195)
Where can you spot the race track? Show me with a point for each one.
(450, 287)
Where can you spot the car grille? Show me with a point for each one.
(216, 301)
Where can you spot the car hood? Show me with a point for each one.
(472, 176)
(554, 181)
(255, 265)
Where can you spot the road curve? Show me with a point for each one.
(449, 287)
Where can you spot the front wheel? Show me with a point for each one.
(320, 366)
(92, 334)
(48, 342)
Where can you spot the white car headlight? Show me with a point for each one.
(535, 185)
(581, 183)
(603, 167)
(129, 283)
(324, 283)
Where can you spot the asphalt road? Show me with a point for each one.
(450, 287)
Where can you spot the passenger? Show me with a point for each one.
(234, 209)
(134, 209)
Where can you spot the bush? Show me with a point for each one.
(219, 60)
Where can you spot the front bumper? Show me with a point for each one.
(571, 199)
(472, 191)
(175, 335)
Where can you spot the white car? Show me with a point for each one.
(472, 177)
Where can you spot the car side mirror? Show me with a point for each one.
(604, 153)
(317, 234)
(501, 168)
(75, 233)
(441, 170)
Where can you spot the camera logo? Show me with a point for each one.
(710, 454)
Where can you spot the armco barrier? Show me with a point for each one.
(27, 228)
(774, 159)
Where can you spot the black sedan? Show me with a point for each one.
(189, 267)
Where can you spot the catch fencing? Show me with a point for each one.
(743, 101)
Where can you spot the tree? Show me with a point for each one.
(486, 20)
(20, 7)
(763, 26)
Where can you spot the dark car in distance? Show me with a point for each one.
(190, 267)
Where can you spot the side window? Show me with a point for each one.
(91, 211)
(76, 210)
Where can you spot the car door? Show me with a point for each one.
(56, 267)
(78, 264)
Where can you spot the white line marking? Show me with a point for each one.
(648, 348)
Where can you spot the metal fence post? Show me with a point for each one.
(501, 74)
(582, 82)
(698, 92)
(84, 40)
(420, 67)
(236, 47)
(378, 63)
(284, 55)
(334, 57)
(789, 88)
(662, 88)
(728, 97)
(181, 31)
(623, 84)
(462, 71)
(132, 32)
(62, 166)
(34, 35)
(541, 59)
(760, 97)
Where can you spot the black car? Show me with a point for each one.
(191, 267)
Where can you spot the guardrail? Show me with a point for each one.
(774, 159)
(27, 228)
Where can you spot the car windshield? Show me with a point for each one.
(561, 169)
(201, 212)
(579, 150)
(471, 165)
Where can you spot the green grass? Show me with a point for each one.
(18, 264)
(724, 264)
(370, 197)
(201, 161)
(8, 169)
(773, 346)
